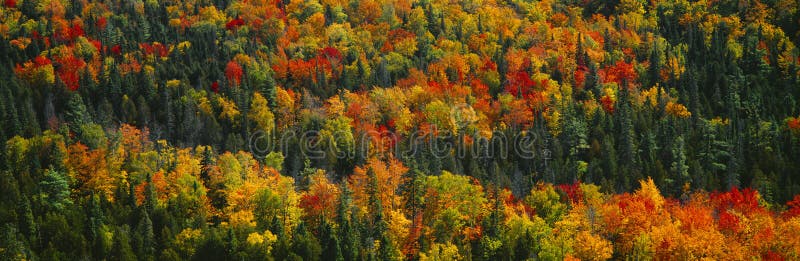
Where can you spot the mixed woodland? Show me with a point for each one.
(191, 130)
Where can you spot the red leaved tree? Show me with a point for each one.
(233, 72)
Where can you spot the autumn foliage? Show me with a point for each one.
(390, 130)
(234, 72)
(69, 71)
(235, 23)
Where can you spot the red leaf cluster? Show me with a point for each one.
(631, 204)
(69, 33)
(311, 203)
(573, 191)
(215, 87)
(488, 65)
(234, 72)
(331, 53)
(608, 103)
(580, 77)
(621, 72)
(97, 45)
(234, 24)
(40, 61)
(794, 124)
(794, 207)
(744, 201)
(439, 88)
(116, 49)
(101, 23)
(538, 101)
(68, 71)
(729, 222)
(395, 36)
(300, 69)
(157, 49)
(772, 256)
(520, 83)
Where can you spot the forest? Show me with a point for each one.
(399, 130)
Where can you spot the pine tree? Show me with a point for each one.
(129, 113)
(5, 119)
(581, 58)
(413, 192)
(55, 190)
(268, 89)
(27, 224)
(608, 46)
(150, 197)
(103, 116)
(694, 93)
(714, 153)
(121, 249)
(144, 112)
(610, 164)
(233, 245)
(626, 138)
(146, 237)
(679, 167)
(654, 71)
(77, 114)
(97, 229)
(345, 218)
(382, 76)
(11, 120)
(331, 249)
(735, 134)
(386, 249)
(213, 248)
(362, 73)
(305, 245)
(13, 246)
(168, 114)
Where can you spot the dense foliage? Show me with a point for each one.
(476, 129)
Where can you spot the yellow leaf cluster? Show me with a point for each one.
(677, 110)
(229, 111)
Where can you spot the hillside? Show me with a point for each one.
(399, 129)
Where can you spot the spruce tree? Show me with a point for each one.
(679, 167)
(329, 240)
(346, 216)
(146, 237)
(55, 190)
(305, 245)
(121, 248)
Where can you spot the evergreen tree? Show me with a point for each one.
(386, 249)
(654, 71)
(97, 229)
(77, 114)
(345, 218)
(13, 246)
(150, 197)
(213, 248)
(414, 192)
(146, 240)
(626, 138)
(304, 245)
(331, 249)
(27, 224)
(121, 249)
(679, 167)
(55, 190)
